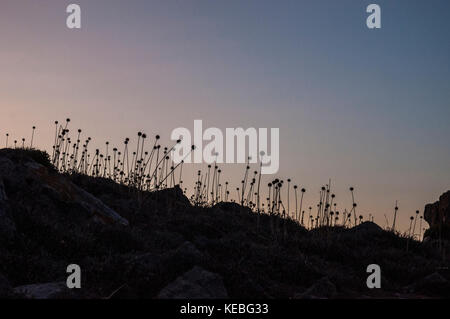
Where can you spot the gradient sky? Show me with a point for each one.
(366, 108)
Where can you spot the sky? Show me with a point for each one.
(364, 108)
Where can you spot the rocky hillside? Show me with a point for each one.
(437, 215)
(157, 245)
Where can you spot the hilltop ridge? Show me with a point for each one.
(133, 244)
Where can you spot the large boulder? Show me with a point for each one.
(438, 213)
(173, 195)
(366, 227)
(23, 172)
(197, 283)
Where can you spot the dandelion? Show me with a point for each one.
(415, 220)
(395, 216)
(301, 204)
(289, 190)
(410, 225)
(409, 233)
(310, 215)
(420, 227)
(295, 191)
(354, 204)
(150, 170)
(32, 137)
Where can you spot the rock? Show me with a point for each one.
(438, 213)
(25, 172)
(51, 290)
(362, 232)
(367, 227)
(231, 206)
(174, 195)
(72, 193)
(323, 288)
(197, 283)
(5, 287)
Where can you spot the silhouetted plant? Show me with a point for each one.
(145, 167)
(32, 136)
(395, 216)
(420, 228)
(415, 221)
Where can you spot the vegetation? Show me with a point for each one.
(148, 167)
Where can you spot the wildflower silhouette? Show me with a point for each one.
(147, 167)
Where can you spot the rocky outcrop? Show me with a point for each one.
(438, 213)
(25, 171)
(195, 284)
(366, 227)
